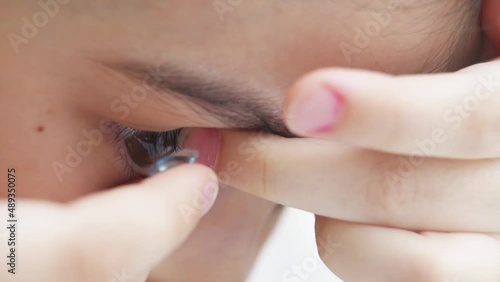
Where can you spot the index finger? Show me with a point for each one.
(363, 186)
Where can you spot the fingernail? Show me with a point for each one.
(315, 112)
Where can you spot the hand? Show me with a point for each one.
(115, 235)
(421, 161)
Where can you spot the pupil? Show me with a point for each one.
(138, 151)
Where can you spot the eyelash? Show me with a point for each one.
(166, 142)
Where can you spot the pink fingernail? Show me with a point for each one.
(316, 112)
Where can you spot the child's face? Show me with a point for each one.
(79, 62)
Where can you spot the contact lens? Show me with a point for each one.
(185, 156)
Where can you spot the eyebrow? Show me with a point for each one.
(236, 104)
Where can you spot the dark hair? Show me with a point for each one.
(467, 33)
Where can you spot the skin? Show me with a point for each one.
(60, 82)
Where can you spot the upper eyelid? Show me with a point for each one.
(121, 132)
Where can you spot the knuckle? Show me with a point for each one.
(480, 132)
(324, 248)
(394, 193)
(266, 186)
(391, 131)
(328, 240)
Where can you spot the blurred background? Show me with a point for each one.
(290, 254)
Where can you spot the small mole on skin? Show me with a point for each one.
(40, 128)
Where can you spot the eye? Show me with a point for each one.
(144, 148)
(141, 148)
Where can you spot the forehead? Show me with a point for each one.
(270, 44)
(277, 31)
(265, 46)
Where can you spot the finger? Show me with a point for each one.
(364, 186)
(116, 235)
(356, 252)
(226, 246)
(135, 226)
(453, 115)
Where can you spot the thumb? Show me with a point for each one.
(135, 226)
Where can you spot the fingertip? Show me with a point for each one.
(189, 172)
(313, 106)
(196, 186)
(327, 101)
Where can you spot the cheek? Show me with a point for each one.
(58, 161)
(43, 131)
